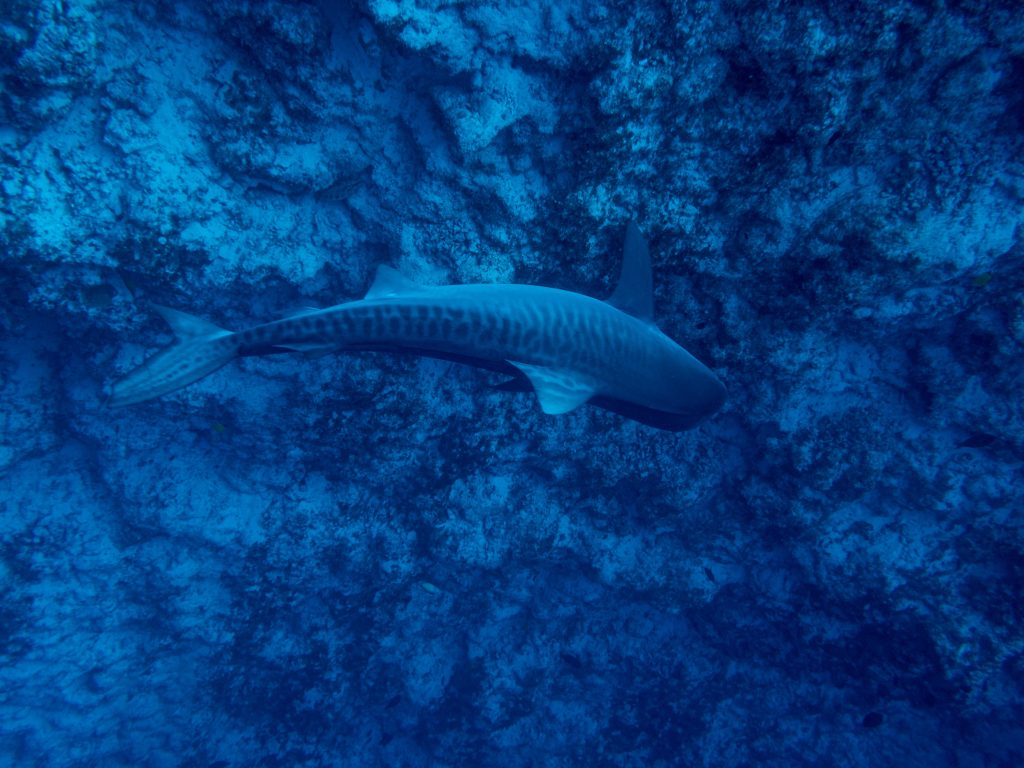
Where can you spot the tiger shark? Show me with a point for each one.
(569, 348)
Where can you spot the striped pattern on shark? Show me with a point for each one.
(570, 348)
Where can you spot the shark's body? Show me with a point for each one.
(571, 348)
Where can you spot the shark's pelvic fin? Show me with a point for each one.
(390, 283)
(311, 350)
(559, 391)
(635, 292)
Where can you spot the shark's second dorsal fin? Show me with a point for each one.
(390, 283)
(300, 312)
(635, 292)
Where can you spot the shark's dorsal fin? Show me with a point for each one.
(635, 292)
(559, 391)
(186, 326)
(390, 283)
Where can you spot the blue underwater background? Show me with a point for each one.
(380, 560)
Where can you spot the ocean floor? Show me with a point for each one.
(385, 560)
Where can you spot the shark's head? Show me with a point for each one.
(704, 394)
(689, 389)
(673, 389)
(675, 392)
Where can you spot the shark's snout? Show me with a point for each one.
(716, 394)
(705, 393)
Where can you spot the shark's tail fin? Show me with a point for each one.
(202, 348)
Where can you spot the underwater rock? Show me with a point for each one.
(872, 720)
(49, 55)
(376, 560)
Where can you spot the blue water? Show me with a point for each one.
(379, 560)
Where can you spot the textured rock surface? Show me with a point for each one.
(373, 560)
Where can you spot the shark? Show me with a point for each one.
(567, 347)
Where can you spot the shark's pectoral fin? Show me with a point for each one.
(516, 384)
(558, 390)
